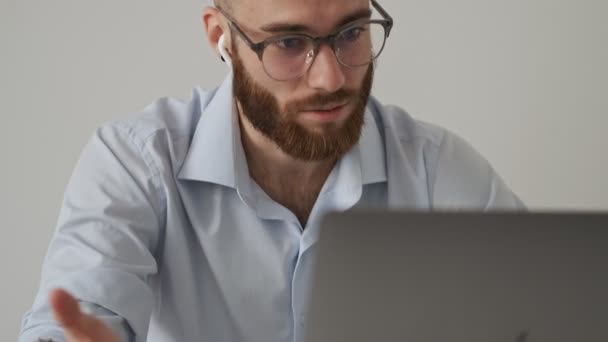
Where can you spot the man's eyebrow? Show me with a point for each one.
(288, 27)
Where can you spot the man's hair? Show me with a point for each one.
(225, 5)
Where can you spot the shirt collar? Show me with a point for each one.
(210, 157)
(371, 151)
(216, 154)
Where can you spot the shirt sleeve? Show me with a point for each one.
(464, 180)
(103, 250)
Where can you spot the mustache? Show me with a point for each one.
(320, 100)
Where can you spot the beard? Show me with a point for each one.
(262, 110)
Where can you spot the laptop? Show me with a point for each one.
(460, 277)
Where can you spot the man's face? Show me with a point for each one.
(300, 115)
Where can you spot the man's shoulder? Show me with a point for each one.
(160, 134)
(458, 176)
(436, 145)
(169, 117)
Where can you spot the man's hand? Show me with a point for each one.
(78, 326)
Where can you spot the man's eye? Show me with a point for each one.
(352, 34)
(293, 43)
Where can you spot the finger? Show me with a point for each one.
(65, 309)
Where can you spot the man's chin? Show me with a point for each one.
(314, 140)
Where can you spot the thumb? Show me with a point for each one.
(76, 324)
(65, 309)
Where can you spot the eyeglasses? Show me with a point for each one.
(286, 57)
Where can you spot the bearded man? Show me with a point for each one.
(197, 221)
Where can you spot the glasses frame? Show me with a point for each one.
(258, 48)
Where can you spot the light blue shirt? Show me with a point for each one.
(164, 235)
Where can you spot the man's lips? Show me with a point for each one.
(329, 113)
(326, 108)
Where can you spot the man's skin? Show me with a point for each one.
(78, 326)
(292, 182)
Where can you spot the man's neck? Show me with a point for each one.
(293, 183)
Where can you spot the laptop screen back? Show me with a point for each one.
(394, 276)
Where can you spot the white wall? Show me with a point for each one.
(524, 81)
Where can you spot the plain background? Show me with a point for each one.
(525, 81)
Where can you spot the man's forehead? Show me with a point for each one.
(319, 15)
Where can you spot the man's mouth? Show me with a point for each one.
(327, 113)
(327, 108)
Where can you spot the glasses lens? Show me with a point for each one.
(360, 44)
(287, 57)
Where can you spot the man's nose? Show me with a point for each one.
(326, 72)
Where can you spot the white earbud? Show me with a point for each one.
(222, 50)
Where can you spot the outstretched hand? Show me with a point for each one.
(77, 325)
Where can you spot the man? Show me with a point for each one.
(197, 221)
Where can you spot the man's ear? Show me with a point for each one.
(215, 27)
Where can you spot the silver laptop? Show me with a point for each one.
(461, 277)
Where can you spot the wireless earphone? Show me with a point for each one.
(221, 47)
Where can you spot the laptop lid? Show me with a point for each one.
(460, 277)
